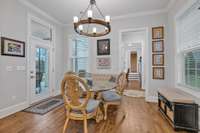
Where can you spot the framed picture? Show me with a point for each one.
(158, 59)
(11, 47)
(103, 63)
(103, 47)
(158, 32)
(159, 73)
(158, 46)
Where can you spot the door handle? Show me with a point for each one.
(32, 77)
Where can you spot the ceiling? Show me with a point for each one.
(64, 10)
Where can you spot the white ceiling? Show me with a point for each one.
(64, 10)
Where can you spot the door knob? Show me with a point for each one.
(32, 77)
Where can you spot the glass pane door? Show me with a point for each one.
(39, 71)
(42, 70)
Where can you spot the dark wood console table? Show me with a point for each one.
(179, 108)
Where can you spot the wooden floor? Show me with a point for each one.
(134, 85)
(141, 117)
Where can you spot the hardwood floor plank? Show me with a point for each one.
(141, 117)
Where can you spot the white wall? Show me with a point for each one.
(131, 23)
(13, 87)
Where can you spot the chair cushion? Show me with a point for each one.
(110, 96)
(91, 106)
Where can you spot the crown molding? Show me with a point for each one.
(139, 14)
(126, 16)
(133, 15)
(39, 11)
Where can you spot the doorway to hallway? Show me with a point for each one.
(133, 56)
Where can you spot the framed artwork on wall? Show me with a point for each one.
(158, 32)
(103, 47)
(158, 46)
(103, 63)
(159, 73)
(11, 47)
(158, 59)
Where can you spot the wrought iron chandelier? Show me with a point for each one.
(87, 25)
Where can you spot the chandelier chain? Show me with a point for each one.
(99, 11)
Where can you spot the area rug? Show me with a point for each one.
(134, 93)
(45, 106)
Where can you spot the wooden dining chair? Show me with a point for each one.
(77, 105)
(114, 97)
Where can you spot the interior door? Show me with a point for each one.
(133, 62)
(39, 70)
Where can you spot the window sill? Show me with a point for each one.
(189, 90)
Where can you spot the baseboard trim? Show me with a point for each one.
(153, 99)
(13, 109)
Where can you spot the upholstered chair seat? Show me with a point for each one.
(109, 96)
(90, 107)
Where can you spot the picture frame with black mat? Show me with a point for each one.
(11, 47)
(103, 47)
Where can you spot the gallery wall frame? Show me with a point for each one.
(158, 46)
(159, 73)
(158, 60)
(158, 32)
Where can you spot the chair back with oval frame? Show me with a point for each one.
(72, 88)
(76, 96)
(121, 83)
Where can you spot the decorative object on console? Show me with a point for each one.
(11, 47)
(158, 32)
(103, 47)
(159, 73)
(103, 63)
(88, 26)
(158, 46)
(158, 59)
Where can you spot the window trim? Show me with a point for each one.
(178, 53)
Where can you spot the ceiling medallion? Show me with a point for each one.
(89, 26)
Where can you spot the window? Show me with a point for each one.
(41, 31)
(79, 57)
(192, 69)
(188, 48)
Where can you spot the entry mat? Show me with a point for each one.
(45, 106)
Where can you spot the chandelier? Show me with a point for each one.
(89, 26)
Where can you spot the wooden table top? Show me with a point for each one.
(176, 95)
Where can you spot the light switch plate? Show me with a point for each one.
(20, 68)
(9, 68)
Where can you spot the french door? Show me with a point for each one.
(40, 67)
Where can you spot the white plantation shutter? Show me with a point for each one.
(192, 69)
(80, 54)
(189, 28)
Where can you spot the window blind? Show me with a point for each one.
(189, 28)
(192, 69)
(80, 54)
